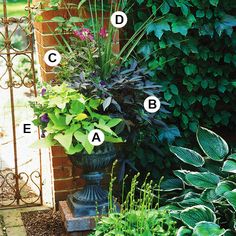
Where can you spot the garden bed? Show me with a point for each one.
(43, 223)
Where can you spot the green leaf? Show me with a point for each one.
(193, 215)
(165, 8)
(113, 122)
(202, 179)
(174, 89)
(43, 143)
(75, 149)
(64, 139)
(207, 228)
(190, 69)
(231, 198)
(76, 107)
(94, 103)
(184, 231)
(229, 166)
(212, 144)
(113, 139)
(188, 156)
(200, 13)
(75, 19)
(204, 84)
(59, 19)
(180, 26)
(232, 156)
(214, 2)
(181, 174)
(209, 195)
(88, 146)
(171, 184)
(158, 28)
(224, 187)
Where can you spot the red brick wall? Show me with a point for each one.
(66, 178)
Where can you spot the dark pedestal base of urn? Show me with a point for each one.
(92, 199)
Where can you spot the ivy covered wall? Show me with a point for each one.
(191, 51)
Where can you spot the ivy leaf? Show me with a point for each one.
(158, 28)
(174, 89)
(165, 8)
(214, 2)
(180, 26)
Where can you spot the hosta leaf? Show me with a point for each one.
(229, 166)
(202, 179)
(224, 187)
(194, 202)
(231, 198)
(232, 156)
(184, 231)
(188, 156)
(212, 144)
(182, 174)
(193, 215)
(209, 195)
(171, 184)
(207, 228)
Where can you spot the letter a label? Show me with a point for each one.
(152, 104)
(96, 137)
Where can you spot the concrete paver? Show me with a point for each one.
(13, 222)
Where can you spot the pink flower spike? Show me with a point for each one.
(84, 34)
(103, 33)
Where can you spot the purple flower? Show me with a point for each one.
(44, 118)
(84, 34)
(102, 83)
(43, 91)
(43, 134)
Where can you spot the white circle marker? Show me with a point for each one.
(96, 137)
(52, 58)
(152, 104)
(119, 19)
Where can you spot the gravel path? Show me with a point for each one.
(43, 223)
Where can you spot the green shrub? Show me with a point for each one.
(191, 52)
(208, 200)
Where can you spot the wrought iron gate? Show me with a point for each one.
(20, 185)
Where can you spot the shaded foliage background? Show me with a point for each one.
(190, 51)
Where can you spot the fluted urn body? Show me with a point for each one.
(92, 199)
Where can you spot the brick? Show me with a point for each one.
(62, 172)
(68, 183)
(47, 76)
(61, 161)
(64, 184)
(77, 171)
(62, 195)
(58, 151)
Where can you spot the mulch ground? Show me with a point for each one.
(43, 223)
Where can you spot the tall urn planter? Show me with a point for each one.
(92, 199)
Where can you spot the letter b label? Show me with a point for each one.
(152, 104)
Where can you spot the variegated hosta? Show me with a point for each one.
(207, 203)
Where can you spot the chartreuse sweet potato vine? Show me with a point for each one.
(67, 117)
